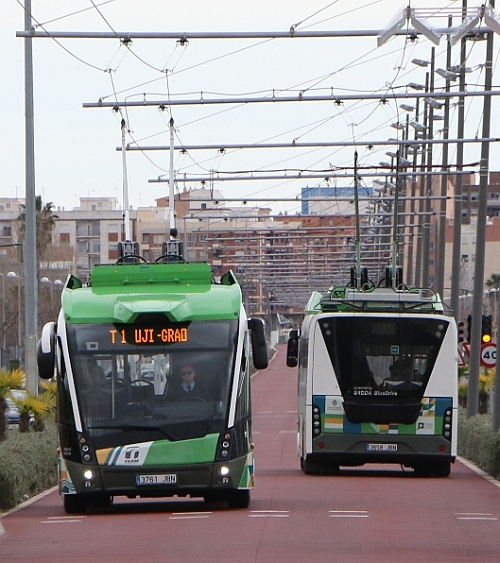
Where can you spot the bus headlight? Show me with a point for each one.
(88, 474)
(224, 470)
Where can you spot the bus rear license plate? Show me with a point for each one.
(381, 447)
(165, 479)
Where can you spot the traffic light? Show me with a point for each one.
(486, 329)
(469, 327)
(461, 331)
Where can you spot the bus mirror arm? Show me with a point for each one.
(46, 351)
(259, 343)
(292, 350)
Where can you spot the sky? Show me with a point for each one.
(75, 146)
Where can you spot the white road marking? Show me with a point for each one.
(63, 520)
(269, 514)
(475, 516)
(189, 515)
(348, 514)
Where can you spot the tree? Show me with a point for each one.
(45, 222)
(8, 380)
(493, 282)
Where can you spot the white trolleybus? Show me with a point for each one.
(122, 348)
(377, 371)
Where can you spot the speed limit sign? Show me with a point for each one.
(489, 355)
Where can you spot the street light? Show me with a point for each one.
(13, 275)
(57, 283)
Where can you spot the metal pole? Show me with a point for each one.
(421, 219)
(457, 212)
(18, 347)
(31, 285)
(126, 211)
(441, 241)
(477, 298)
(496, 394)
(3, 311)
(426, 231)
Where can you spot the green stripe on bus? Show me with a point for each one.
(197, 450)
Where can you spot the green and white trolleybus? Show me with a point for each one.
(117, 350)
(377, 380)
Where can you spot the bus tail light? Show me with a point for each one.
(447, 420)
(316, 422)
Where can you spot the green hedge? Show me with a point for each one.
(478, 443)
(28, 465)
(28, 462)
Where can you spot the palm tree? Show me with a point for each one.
(493, 282)
(45, 222)
(8, 380)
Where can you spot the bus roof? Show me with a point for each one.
(349, 299)
(181, 291)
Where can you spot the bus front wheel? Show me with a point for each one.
(74, 504)
(239, 498)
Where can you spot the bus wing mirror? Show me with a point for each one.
(46, 351)
(259, 343)
(292, 349)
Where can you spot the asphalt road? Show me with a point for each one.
(367, 515)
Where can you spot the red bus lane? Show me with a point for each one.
(372, 513)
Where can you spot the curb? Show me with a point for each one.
(24, 505)
(480, 472)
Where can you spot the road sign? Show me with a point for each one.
(489, 355)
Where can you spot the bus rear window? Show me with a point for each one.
(383, 357)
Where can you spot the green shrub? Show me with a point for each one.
(478, 443)
(28, 465)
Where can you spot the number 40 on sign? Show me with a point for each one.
(489, 355)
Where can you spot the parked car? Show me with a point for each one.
(12, 418)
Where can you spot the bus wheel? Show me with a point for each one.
(74, 504)
(441, 469)
(102, 500)
(239, 498)
(309, 467)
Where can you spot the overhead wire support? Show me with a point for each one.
(126, 211)
(333, 175)
(307, 145)
(188, 36)
(299, 98)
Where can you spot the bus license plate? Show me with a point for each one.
(381, 447)
(165, 479)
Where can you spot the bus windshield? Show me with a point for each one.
(155, 380)
(382, 360)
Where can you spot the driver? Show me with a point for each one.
(188, 385)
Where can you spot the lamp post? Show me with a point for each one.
(57, 283)
(13, 275)
(3, 311)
